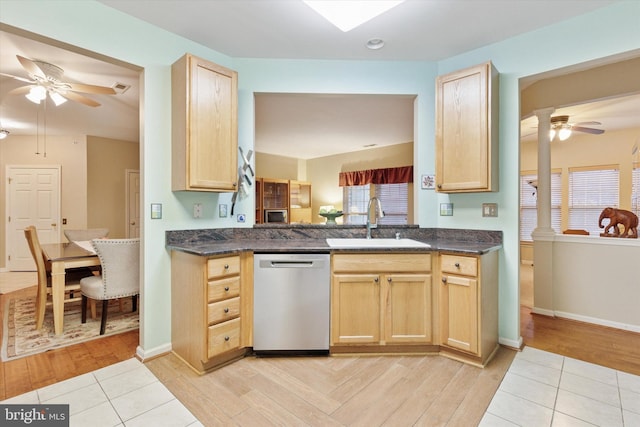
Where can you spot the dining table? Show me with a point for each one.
(62, 257)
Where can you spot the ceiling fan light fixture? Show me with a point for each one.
(4, 133)
(36, 94)
(552, 134)
(57, 98)
(564, 133)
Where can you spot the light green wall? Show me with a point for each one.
(93, 26)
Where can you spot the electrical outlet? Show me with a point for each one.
(489, 209)
(197, 210)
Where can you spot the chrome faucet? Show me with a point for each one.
(377, 208)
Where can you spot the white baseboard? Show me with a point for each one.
(543, 311)
(596, 321)
(516, 344)
(143, 354)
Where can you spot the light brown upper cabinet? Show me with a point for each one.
(467, 130)
(205, 126)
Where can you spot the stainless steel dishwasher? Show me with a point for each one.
(291, 303)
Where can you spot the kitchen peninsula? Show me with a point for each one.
(451, 310)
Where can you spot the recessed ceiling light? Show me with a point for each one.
(375, 44)
(348, 14)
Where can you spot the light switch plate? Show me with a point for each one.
(489, 209)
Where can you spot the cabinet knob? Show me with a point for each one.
(226, 266)
(389, 279)
(226, 310)
(376, 280)
(439, 185)
(457, 264)
(226, 338)
(444, 280)
(226, 289)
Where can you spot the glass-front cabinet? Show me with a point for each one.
(299, 202)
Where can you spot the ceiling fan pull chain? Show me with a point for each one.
(45, 128)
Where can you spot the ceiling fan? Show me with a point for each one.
(46, 78)
(560, 125)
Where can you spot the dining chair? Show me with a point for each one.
(86, 234)
(72, 278)
(120, 278)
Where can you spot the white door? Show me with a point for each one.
(133, 204)
(33, 198)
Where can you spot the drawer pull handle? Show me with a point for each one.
(457, 264)
(227, 338)
(226, 289)
(226, 310)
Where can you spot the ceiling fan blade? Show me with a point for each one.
(20, 90)
(22, 79)
(588, 124)
(31, 67)
(80, 87)
(81, 99)
(587, 130)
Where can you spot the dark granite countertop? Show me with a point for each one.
(312, 239)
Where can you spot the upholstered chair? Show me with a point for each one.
(86, 234)
(120, 278)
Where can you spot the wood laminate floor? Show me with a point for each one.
(375, 390)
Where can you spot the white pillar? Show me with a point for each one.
(543, 193)
(543, 235)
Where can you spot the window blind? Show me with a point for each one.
(590, 191)
(394, 199)
(354, 201)
(529, 201)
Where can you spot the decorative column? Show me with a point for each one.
(543, 235)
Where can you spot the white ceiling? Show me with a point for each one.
(308, 126)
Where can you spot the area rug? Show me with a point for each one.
(20, 338)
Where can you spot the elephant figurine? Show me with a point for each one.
(617, 217)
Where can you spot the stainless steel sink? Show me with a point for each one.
(355, 243)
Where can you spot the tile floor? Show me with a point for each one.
(546, 389)
(539, 389)
(124, 394)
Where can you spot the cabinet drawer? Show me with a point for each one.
(454, 264)
(223, 289)
(223, 337)
(222, 311)
(220, 267)
(375, 263)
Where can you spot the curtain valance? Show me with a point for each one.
(377, 176)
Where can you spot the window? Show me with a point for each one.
(393, 198)
(354, 201)
(590, 191)
(529, 201)
(635, 190)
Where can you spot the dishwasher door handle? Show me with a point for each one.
(290, 264)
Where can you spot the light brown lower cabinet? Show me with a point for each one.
(211, 308)
(469, 306)
(381, 300)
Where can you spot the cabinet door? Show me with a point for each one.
(408, 308)
(204, 126)
(213, 129)
(355, 308)
(463, 131)
(459, 312)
